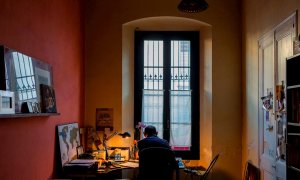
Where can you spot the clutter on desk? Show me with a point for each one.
(81, 165)
(130, 164)
(119, 153)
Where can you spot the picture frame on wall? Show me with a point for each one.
(104, 119)
(7, 102)
(23, 76)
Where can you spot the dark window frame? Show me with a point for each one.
(167, 36)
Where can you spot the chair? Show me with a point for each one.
(202, 174)
(157, 163)
(251, 172)
(211, 165)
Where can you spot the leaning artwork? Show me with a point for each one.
(68, 135)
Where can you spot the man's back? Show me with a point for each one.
(152, 141)
(156, 158)
(157, 163)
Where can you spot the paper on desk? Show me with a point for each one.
(83, 161)
(77, 165)
(130, 164)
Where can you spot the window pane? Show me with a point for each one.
(153, 109)
(153, 85)
(180, 132)
(153, 65)
(180, 65)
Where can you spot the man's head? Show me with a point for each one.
(150, 131)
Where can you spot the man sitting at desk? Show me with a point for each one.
(156, 158)
(151, 139)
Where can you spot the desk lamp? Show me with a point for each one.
(107, 138)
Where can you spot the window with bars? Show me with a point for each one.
(167, 87)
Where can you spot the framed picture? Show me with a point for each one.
(79, 150)
(7, 102)
(48, 102)
(25, 85)
(69, 140)
(104, 119)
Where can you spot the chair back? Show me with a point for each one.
(157, 163)
(251, 172)
(211, 165)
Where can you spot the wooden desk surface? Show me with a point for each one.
(110, 172)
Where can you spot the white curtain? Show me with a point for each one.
(180, 135)
(152, 112)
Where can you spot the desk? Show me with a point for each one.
(103, 174)
(114, 173)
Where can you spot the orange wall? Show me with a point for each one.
(52, 32)
(104, 63)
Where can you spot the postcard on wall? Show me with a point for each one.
(104, 119)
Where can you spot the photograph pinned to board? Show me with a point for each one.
(104, 119)
(267, 101)
(48, 99)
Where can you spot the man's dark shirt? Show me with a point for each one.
(152, 168)
(152, 141)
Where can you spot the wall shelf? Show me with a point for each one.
(293, 168)
(293, 117)
(24, 115)
(293, 124)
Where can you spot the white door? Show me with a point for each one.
(274, 48)
(266, 113)
(284, 35)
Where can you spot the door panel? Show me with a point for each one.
(284, 49)
(266, 117)
(274, 48)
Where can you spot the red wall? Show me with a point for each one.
(51, 31)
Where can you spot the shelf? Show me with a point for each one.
(293, 124)
(293, 134)
(24, 115)
(293, 168)
(293, 87)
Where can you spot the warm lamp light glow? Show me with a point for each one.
(106, 139)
